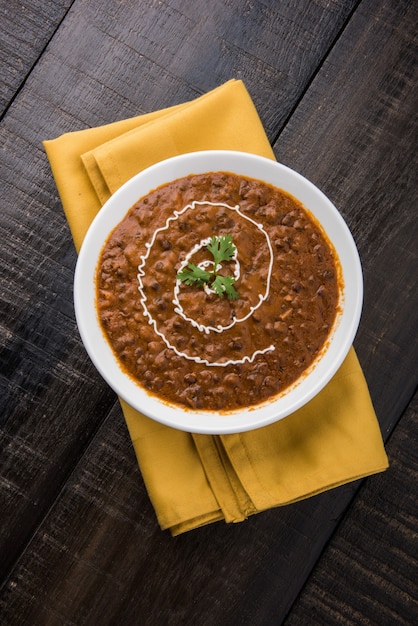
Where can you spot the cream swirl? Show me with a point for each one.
(178, 309)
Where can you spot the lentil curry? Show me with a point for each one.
(187, 344)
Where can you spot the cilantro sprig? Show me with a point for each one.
(222, 249)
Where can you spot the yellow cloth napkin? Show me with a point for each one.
(195, 479)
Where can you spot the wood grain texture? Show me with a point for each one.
(355, 134)
(99, 556)
(45, 425)
(335, 86)
(25, 30)
(375, 553)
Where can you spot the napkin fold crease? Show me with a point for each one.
(194, 479)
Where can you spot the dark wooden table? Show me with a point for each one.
(335, 84)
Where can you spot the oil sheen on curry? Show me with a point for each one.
(217, 292)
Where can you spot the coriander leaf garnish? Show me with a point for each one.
(222, 249)
(192, 274)
(225, 284)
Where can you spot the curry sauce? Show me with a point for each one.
(190, 346)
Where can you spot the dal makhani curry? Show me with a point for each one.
(217, 291)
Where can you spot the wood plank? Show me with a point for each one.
(95, 553)
(99, 557)
(107, 61)
(25, 30)
(369, 572)
(373, 187)
(355, 136)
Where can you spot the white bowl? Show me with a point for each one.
(310, 384)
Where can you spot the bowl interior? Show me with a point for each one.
(251, 166)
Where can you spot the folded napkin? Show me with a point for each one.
(195, 479)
